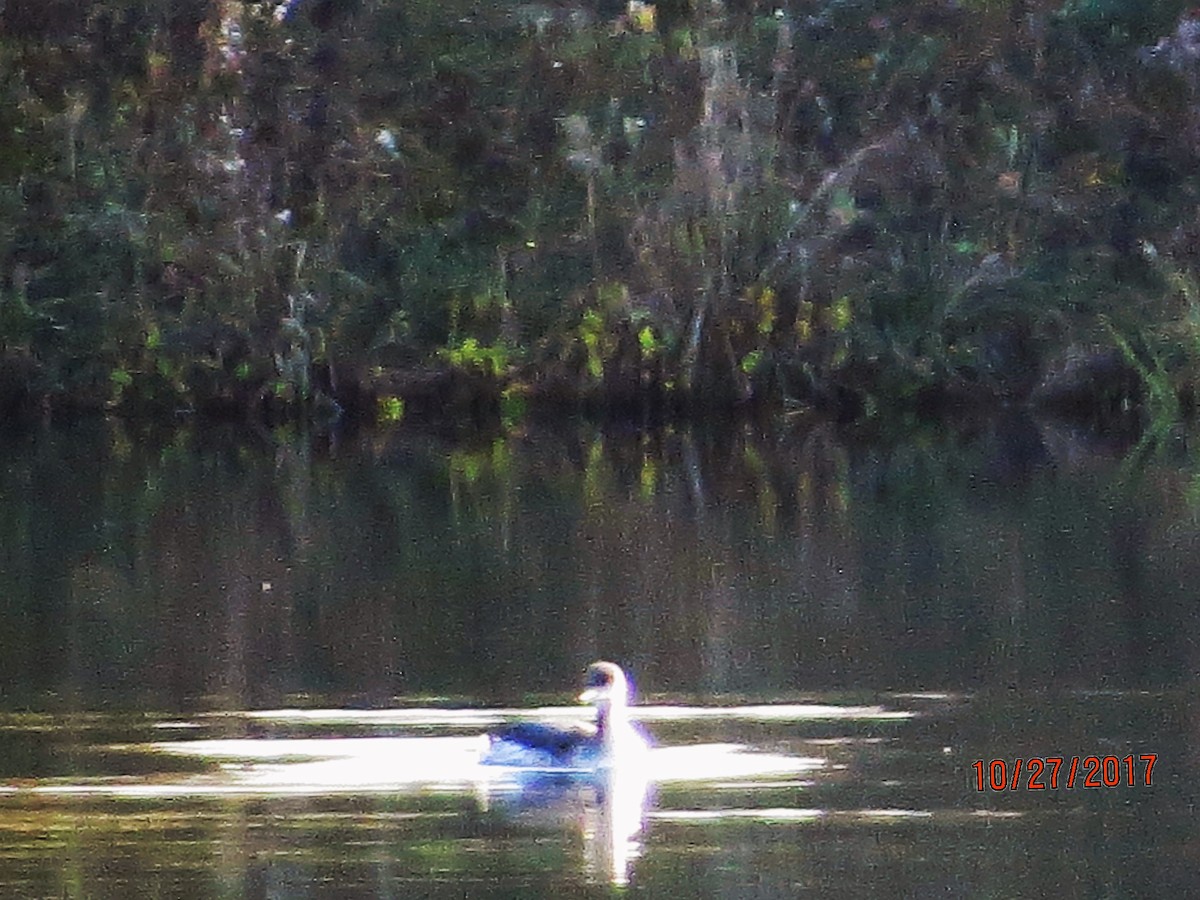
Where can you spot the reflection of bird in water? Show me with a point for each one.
(590, 778)
(612, 823)
(612, 740)
(606, 808)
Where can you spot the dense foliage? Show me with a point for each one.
(863, 204)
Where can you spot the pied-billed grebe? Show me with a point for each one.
(612, 739)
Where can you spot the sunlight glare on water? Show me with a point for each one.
(367, 764)
(766, 712)
(301, 758)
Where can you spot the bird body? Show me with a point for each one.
(611, 739)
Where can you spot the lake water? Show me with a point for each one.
(240, 663)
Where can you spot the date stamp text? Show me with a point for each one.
(1039, 773)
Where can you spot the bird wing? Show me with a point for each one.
(556, 740)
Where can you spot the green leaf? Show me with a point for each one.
(649, 343)
(389, 409)
(751, 361)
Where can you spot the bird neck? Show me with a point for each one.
(608, 715)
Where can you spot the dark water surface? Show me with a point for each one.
(258, 664)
